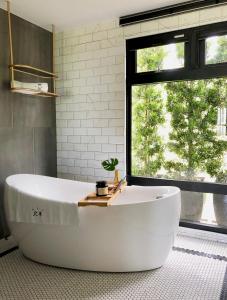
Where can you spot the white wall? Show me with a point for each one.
(90, 63)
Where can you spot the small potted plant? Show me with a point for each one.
(110, 165)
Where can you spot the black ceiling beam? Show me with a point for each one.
(169, 11)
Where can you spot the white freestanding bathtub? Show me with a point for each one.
(135, 233)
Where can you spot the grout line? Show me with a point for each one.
(12, 116)
(33, 150)
(198, 253)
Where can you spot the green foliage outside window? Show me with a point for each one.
(193, 109)
(150, 59)
(193, 106)
(147, 146)
(221, 51)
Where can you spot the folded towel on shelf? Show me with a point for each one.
(35, 86)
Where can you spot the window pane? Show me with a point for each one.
(158, 58)
(216, 49)
(205, 208)
(179, 130)
(220, 209)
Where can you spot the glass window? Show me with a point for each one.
(216, 49)
(177, 120)
(178, 130)
(206, 208)
(159, 58)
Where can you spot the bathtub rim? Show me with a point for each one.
(174, 191)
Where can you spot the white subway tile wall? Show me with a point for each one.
(90, 64)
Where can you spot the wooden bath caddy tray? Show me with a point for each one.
(103, 201)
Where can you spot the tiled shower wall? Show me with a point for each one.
(90, 62)
(27, 123)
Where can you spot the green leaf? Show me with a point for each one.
(109, 165)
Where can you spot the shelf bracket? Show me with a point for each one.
(10, 43)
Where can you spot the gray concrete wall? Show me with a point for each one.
(27, 123)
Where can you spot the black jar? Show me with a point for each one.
(101, 188)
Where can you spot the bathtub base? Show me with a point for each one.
(72, 251)
(103, 270)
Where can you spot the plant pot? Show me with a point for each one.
(220, 209)
(191, 206)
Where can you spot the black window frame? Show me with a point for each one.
(195, 69)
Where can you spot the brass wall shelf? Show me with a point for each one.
(29, 70)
